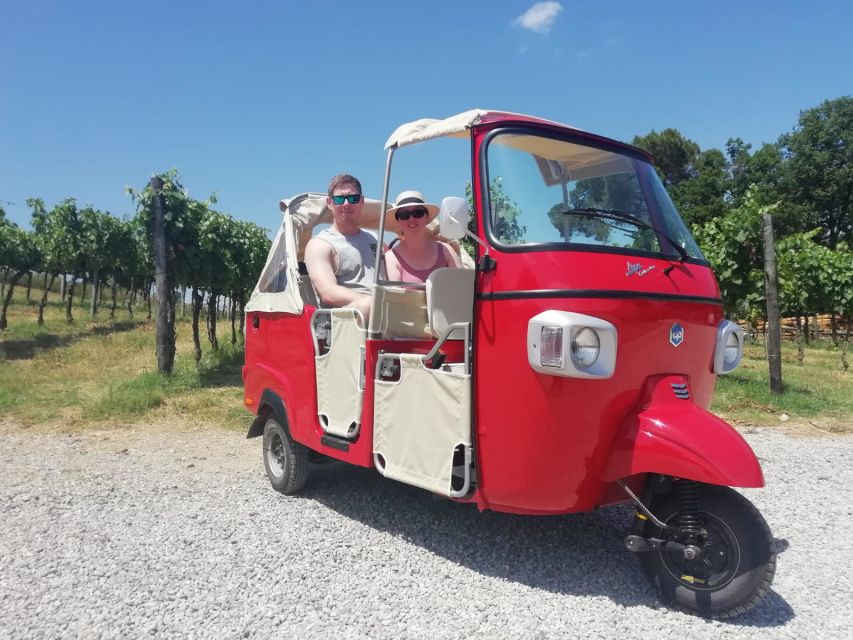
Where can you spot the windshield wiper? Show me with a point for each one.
(622, 216)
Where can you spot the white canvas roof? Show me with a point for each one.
(431, 128)
(456, 126)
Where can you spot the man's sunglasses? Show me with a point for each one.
(353, 198)
(410, 213)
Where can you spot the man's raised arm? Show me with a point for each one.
(320, 259)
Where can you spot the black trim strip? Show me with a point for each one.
(592, 248)
(523, 294)
(334, 442)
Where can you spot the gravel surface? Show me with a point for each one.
(168, 532)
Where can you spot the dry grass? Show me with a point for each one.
(104, 373)
(817, 392)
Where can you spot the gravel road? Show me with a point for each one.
(172, 532)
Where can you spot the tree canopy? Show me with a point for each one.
(818, 169)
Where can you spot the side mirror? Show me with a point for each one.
(453, 218)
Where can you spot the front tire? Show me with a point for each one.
(737, 561)
(285, 461)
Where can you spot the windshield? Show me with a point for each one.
(548, 191)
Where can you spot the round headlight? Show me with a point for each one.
(732, 349)
(585, 348)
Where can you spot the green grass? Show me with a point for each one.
(148, 390)
(104, 372)
(818, 391)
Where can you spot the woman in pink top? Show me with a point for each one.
(417, 254)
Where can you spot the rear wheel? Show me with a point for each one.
(728, 565)
(285, 461)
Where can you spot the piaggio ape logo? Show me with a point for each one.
(635, 268)
(676, 334)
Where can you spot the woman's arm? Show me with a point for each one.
(392, 267)
(451, 257)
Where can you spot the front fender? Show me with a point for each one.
(671, 435)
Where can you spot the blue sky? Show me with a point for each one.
(262, 100)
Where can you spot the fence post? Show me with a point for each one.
(93, 309)
(771, 295)
(166, 308)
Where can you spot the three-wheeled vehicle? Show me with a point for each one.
(570, 368)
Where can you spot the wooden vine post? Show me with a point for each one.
(771, 294)
(163, 277)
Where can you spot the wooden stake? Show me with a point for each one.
(771, 295)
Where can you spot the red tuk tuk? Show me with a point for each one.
(569, 368)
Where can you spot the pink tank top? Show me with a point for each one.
(409, 274)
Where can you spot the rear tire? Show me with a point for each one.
(738, 559)
(285, 461)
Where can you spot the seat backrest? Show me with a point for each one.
(402, 313)
(450, 299)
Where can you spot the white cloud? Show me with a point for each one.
(540, 17)
(523, 50)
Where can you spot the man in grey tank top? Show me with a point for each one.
(341, 259)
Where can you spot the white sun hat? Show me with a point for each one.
(409, 199)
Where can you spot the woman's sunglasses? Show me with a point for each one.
(353, 198)
(410, 213)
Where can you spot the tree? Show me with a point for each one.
(134, 262)
(2, 266)
(803, 283)
(192, 267)
(57, 236)
(733, 245)
(18, 252)
(838, 274)
(117, 244)
(673, 153)
(216, 242)
(760, 171)
(96, 229)
(250, 245)
(702, 196)
(819, 169)
(505, 215)
(697, 181)
(617, 191)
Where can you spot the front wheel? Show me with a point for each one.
(733, 559)
(285, 461)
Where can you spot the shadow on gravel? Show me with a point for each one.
(581, 554)
(29, 348)
(781, 545)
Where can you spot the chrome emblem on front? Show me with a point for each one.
(638, 269)
(676, 334)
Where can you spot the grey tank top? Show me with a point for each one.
(355, 258)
